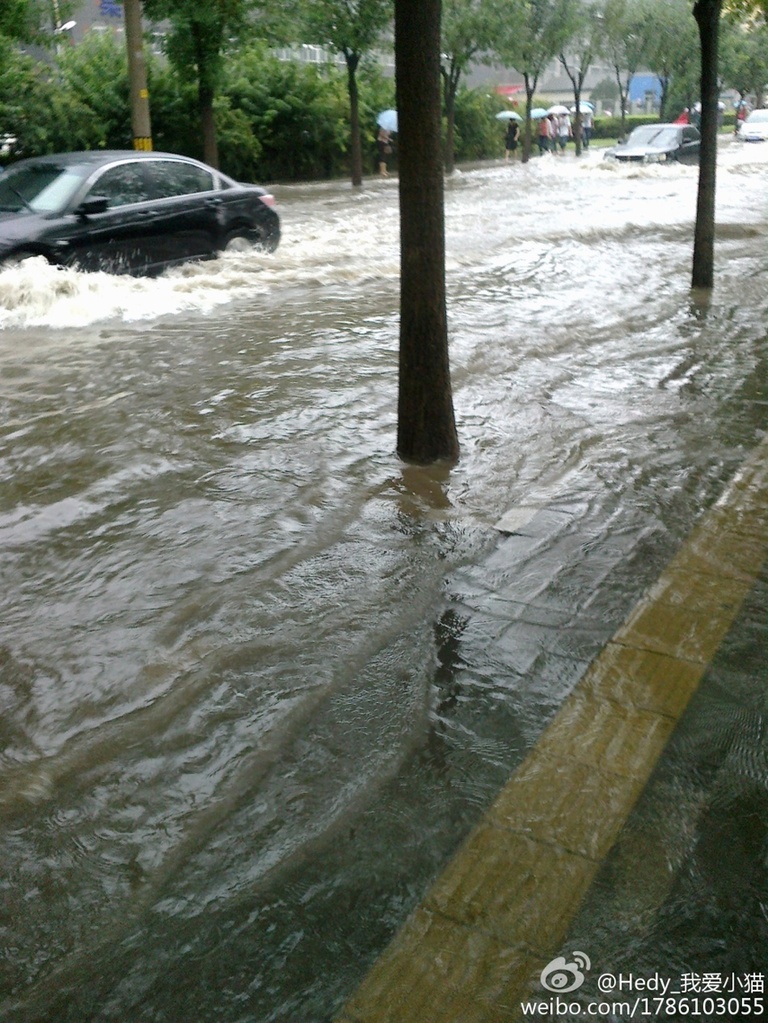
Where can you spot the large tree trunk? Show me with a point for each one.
(426, 427)
(356, 149)
(208, 125)
(205, 95)
(707, 14)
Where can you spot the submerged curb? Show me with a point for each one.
(476, 945)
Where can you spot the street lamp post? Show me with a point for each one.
(137, 74)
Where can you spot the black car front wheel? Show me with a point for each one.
(18, 257)
(243, 239)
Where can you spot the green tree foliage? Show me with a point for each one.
(468, 30)
(297, 115)
(38, 107)
(673, 54)
(95, 75)
(30, 20)
(579, 53)
(629, 31)
(202, 34)
(531, 35)
(477, 133)
(744, 58)
(750, 9)
(351, 28)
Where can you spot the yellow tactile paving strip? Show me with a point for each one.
(479, 940)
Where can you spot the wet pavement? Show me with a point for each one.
(497, 936)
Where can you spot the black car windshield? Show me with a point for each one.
(653, 135)
(41, 187)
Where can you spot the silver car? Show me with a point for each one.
(658, 143)
(754, 128)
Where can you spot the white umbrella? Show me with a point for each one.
(558, 108)
(583, 105)
(508, 115)
(387, 120)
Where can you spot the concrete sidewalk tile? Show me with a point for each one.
(601, 733)
(643, 679)
(558, 802)
(440, 971)
(522, 891)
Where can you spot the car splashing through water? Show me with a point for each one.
(128, 212)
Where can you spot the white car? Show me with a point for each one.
(755, 126)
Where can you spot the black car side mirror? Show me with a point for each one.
(96, 204)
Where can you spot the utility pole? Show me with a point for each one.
(137, 74)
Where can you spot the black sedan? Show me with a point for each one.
(128, 212)
(658, 143)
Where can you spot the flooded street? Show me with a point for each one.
(248, 707)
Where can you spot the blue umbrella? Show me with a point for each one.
(387, 120)
(538, 112)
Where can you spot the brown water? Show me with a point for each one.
(249, 704)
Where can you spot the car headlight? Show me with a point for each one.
(655, 157)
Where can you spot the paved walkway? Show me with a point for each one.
(476, 945)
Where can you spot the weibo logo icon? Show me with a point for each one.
(562, 976)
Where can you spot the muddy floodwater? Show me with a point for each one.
(248, 707)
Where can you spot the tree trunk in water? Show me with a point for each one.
(356, 149)
(528, 135)
(426, 430)
(707, 14)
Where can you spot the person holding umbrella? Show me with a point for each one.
(384, 148)
(544, 134)
(387, 122)
(511, 138)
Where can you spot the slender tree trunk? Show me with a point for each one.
(530, 88)
(577, 127)
(426, 426)
(356, 149)
(622, 99)
(664, 85)
(707, 14)
(451, 86)
(208, 125)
